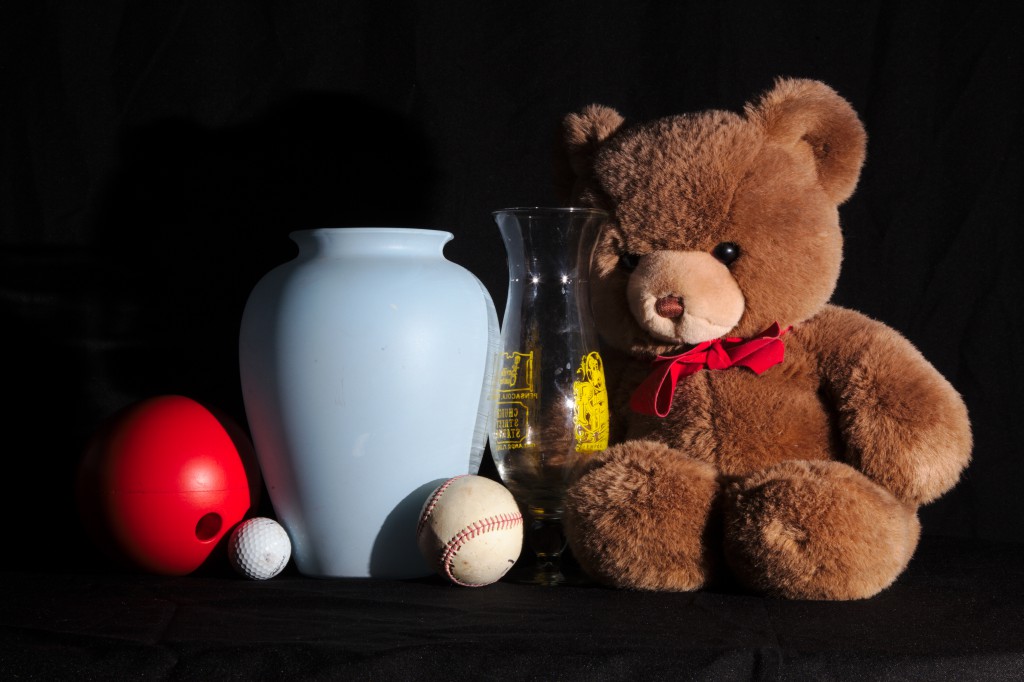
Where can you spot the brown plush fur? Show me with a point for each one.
(806, 478)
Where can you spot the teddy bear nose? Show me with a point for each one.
(669, 306)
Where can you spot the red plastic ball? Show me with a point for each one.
(163, 482)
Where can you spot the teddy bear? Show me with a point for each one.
(763, 437)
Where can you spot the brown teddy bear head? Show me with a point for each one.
(721, 223)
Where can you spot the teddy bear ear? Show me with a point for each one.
(799, 112)
(581, 136)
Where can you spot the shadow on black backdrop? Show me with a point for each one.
(196, 217)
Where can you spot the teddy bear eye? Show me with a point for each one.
(727, 252)
(629, 261)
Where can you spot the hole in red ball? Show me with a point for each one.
(208, 527)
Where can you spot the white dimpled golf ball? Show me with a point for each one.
(259, 548)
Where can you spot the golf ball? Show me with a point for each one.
(259, 548)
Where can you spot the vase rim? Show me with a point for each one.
(373, 230)
(552, 210)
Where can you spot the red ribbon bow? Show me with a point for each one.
(654, 395)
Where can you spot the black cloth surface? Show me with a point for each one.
(956, 614)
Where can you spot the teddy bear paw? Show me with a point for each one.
(637, 517)
(816, 530)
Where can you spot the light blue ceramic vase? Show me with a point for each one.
(365, 364)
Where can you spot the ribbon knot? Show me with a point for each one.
(654, 395)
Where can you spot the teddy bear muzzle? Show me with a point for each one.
(684, 297)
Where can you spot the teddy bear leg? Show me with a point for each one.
(816, 530)
(637, 517)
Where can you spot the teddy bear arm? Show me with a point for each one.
(901, 421)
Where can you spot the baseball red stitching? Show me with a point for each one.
(432, 502)
(499, 522)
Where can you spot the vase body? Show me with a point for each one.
(551, 404)
(364, 366)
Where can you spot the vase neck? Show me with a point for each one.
(349, 241)
(550, 241)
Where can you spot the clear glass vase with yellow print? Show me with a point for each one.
(551, 403)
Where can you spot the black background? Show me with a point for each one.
(154, 157)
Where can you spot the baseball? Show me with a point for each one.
(470, 530)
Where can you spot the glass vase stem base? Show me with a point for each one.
(545, 559)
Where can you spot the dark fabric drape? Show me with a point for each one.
(155, 155)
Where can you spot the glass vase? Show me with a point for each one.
(551, 404)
